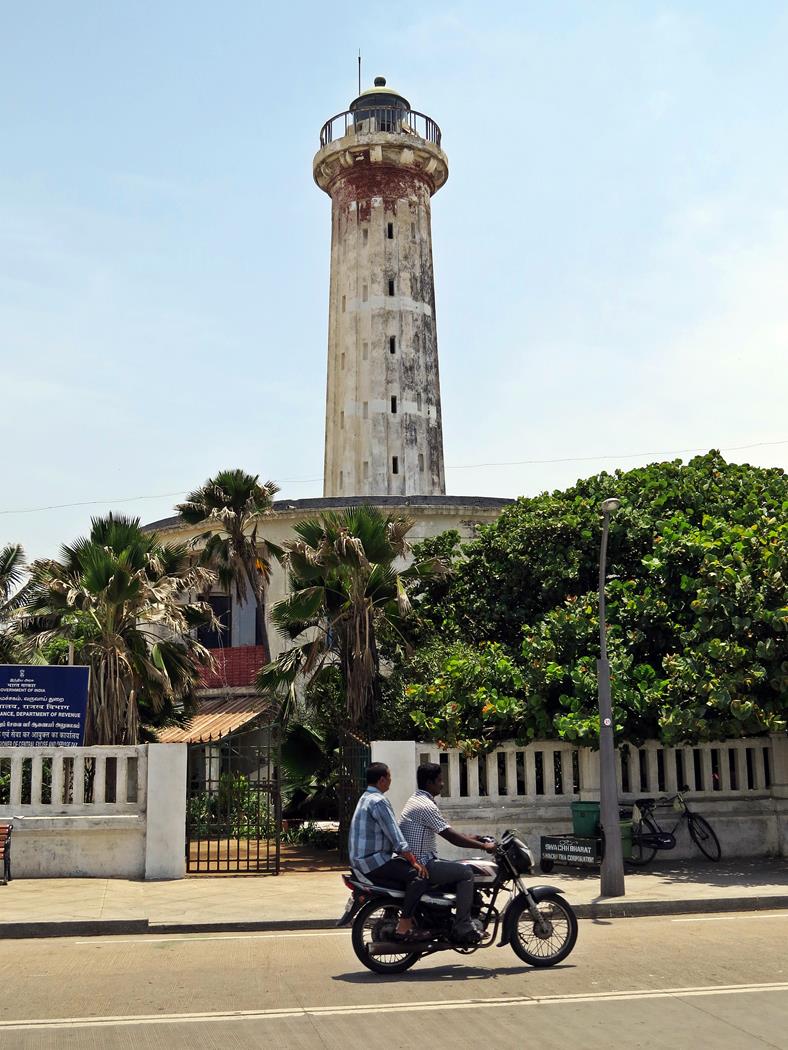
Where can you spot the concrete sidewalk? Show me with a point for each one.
(299, 900)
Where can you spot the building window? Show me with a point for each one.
(365, 351)
(413, 231)
(391, 290)
(342, 362)
(365, 470)
(416, 342)
(390, 231)
(364, 235)
(395, 464)
(341, 420)
(393, 404)
(341, 480)
(364, 292)
(217, 637)
(392, 344)
(418, 402)
(343, 304)
(421, 462)
(365, 410)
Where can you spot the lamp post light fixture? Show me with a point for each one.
(612, 882)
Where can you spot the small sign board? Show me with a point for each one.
(43, 706)
(569, 849)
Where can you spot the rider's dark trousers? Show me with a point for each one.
(443, 872)
(398, 870)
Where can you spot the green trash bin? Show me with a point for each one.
(585, 819)
(626, 839)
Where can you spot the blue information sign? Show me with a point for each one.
(42, 706)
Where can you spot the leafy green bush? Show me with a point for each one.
(697, 610)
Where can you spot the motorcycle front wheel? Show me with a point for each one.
(375, 922)
(550, 939)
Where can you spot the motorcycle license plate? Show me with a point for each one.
(351, 902)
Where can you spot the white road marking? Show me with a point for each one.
(386, 1008)
(737, 918)
(181, 938)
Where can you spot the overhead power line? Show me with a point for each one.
(458, 466)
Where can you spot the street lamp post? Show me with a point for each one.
(612, 861)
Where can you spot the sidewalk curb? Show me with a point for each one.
(611, 909)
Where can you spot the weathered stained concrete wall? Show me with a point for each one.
(383, 411)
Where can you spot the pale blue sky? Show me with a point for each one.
(611, 248)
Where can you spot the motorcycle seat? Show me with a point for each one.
(641, 803)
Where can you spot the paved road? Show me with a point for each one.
(695, 982)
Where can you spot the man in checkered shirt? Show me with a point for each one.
(420, 822)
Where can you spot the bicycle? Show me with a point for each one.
(648, 836)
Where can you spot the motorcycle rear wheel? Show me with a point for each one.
(549, 946)
(374, 915)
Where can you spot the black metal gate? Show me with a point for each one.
(234, 805)
(354, 757)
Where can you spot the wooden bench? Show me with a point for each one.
(5, 851)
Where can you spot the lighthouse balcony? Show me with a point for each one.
(392, 120)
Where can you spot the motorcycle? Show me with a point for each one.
(538, 924)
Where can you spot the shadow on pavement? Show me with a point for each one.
(452, 972)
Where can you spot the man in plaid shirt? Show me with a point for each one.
(421, 821)
(375, 837)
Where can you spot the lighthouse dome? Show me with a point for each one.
(378, 97)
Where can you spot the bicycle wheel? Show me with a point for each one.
(547, 942)
(642, 854)
(376, 922)
(704, 838)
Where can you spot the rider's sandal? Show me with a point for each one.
(412, 936)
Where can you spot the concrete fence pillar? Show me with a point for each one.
(779, 788)
(400, 757)
(165, 839)
(588, 762)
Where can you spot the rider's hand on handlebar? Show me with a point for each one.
(487, 843)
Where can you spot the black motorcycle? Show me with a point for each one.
(537, 922)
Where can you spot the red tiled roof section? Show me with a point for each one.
(235, 666)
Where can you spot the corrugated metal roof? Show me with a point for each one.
(216, 718)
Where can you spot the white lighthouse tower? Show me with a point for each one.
(381, 162)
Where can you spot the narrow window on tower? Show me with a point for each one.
(365, 470)
(365, 410)
(341, 420)
(391, 291)
(392, 344)
(421, 462)
(416, 342)
(390, 231)
(343, 304)
(341, 480)
(418, 402)
(413, 231)
(342, 362)
(393, 404)
(364, 292)
(395, 464)
(364, 235)
(365, 351)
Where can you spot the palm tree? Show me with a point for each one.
(232, 503)
(12, 595)
(345, 590)
(117, 596)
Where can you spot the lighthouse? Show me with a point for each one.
(381, 162)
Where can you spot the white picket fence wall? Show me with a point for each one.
(83, 811)
(552, 770)
(119, 779)
(741, 786)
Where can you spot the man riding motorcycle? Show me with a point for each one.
(374, 839)
(420, 821)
